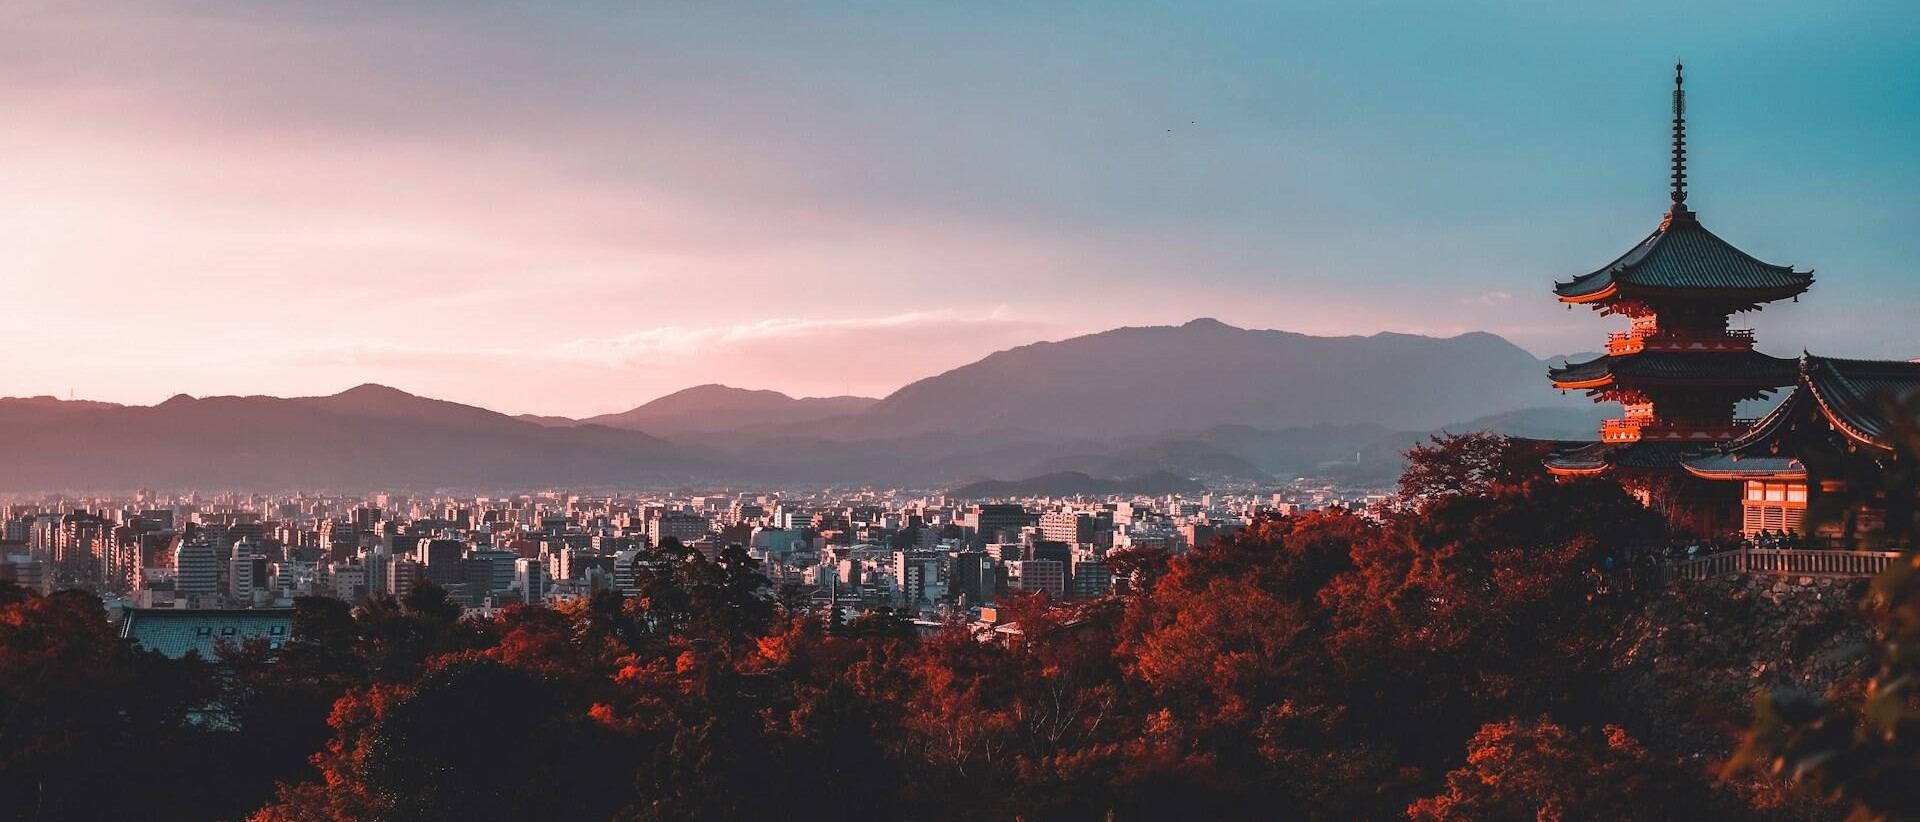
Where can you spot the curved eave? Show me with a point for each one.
(1613, 290)
(1598, 382)
(1572, 290)
(1767, 427)
(1715, 469)
(1610, 381)
(1839, 421)
(1602, 295)
(1579, 471)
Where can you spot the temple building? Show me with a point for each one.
(1830, 455)
(1681, 370)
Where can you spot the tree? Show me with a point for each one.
(72, 695)
(1467, 465)
(433, 751)
(1527, 770)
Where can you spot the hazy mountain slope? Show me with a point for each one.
(1203, 400)
(369, 437)
(26, 409)
(1581, 422)
(707, 408)
(1205, 373)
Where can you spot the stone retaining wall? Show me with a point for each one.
(1701, 649)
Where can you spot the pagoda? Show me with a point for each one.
(1680, 369)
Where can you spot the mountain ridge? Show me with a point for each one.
(716, 407)
(1203, 400)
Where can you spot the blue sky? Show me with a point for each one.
(572, 208)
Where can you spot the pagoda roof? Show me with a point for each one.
(1596, 457)
(1849, 394)
(1683, 256)
(1742, 367)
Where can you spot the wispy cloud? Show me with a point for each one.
(1487, 298)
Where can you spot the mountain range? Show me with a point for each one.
(1203, 401)
(712, 408)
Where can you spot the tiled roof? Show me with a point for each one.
(1849, 394)
(1682, 254)
(174, 632)
(1731, 466)
(1631, 455)
(1743, 366)
(1852, 393)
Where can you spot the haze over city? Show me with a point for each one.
(572, 211)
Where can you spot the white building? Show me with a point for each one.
(530, 577)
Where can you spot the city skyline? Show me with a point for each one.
(577, 212)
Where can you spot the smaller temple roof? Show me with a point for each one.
(1848, 393)
(1742, 367)
(1682, 255)
(1852, 393)
(1595, 457)
(1734, 466)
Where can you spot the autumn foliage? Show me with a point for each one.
(1444, 662)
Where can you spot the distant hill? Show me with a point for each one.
(368, 437)
(713, 408)
(1580, 422)
(1133, 381)
(1074, 483)
(28, 409)
(1199, 402)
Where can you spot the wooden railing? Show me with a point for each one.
(1629, 342)
(1782, 561)
(1632, 430)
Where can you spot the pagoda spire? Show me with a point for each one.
(1679, 139)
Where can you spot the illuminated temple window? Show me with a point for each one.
(1774, 506)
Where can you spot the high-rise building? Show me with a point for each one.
(685, 528)
(499, 571)
(1071, 527)
(624, 572)
(992, 523)
(917, 579)
(1060, 552)
(402, 573)
(1091, 576)
(530, 576)
(245, 572)
(196, 566)
(440, 560)
(25, 571)
(967, 576)
(1044, 575)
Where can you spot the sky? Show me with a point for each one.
(572, 208)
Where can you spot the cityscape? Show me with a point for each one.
(1072, 413)
(929, 558)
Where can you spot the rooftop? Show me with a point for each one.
(174, 632)
(1851, 395)
(1594, 458)
(1738, 367)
